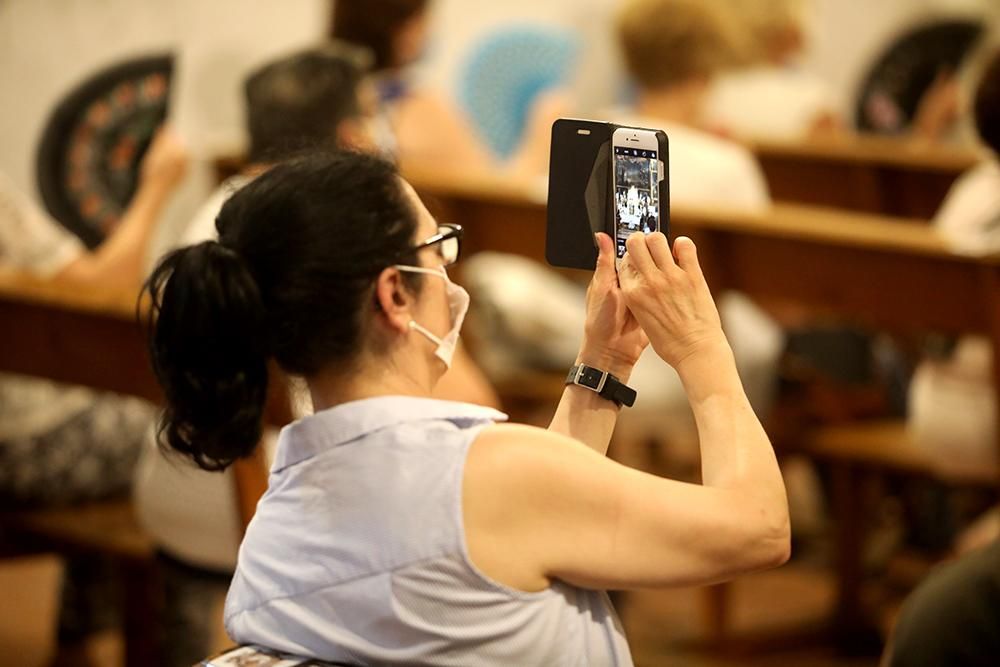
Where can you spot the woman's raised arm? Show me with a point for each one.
(612, 342)
(540, 506)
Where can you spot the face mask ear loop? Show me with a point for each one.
(425, 332)
(458, 304)
(421, 269)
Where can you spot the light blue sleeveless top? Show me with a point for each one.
(357, 553)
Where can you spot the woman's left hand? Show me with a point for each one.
(612, 338)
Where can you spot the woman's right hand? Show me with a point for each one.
(669, 297)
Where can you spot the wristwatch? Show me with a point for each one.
(603, 383)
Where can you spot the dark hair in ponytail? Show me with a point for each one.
(291, 278)
(210, 353)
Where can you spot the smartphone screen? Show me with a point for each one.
(636, 192)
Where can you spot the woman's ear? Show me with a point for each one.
(393, 301)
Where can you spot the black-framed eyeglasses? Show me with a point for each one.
(448, 241)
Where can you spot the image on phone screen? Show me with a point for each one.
(637, 193)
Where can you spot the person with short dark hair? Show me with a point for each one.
(402, 529)
(317, 98)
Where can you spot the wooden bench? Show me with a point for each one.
(859, 457)
(891, 176)
(888, 445)
(108, 527)
(866, 173)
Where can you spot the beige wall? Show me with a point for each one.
(48, 46)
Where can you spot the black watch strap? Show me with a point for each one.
(603, 383)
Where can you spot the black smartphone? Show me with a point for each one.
(578, 205)
(603, 178)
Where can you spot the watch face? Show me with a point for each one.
(590, 378)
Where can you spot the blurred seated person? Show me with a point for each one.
(428, 128)
(316, 98)
(60, 444)
(770, 96)
(399, 528)
(953, 417)
(674, 50)
(313, 99)
(952, 617)
(921, 83)
(952, 398)
(968, 218)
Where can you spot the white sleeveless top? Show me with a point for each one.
(357, 553)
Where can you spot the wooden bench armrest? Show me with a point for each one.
(108, 527)
(888, 445)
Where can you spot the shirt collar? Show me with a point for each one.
(343, 423)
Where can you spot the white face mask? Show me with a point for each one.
(458, 304)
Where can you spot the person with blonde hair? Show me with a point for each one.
(673, 51)
(775, 30)
(770, 96)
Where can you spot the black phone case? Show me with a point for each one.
(580, 181)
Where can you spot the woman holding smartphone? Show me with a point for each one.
(400, 529)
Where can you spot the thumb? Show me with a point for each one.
(605, 256)
(687, 255)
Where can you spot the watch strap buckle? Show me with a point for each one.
(581, 368)
(608, 386)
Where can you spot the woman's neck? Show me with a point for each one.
(335, 386)
(680, 104)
